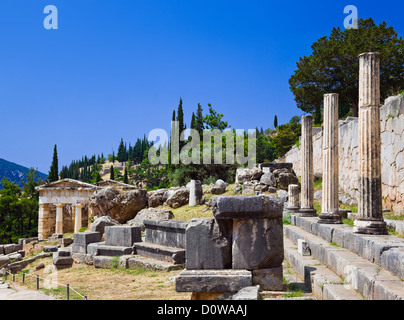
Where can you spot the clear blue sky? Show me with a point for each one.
(118, 68)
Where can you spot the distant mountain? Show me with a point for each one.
(14, 172)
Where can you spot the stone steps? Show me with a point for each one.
(160, 252)
(386, 251)
(367, 278)
(323, 283)
(112, 251)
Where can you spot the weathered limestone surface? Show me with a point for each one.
(122, 236)
(213, 280)
(208, 244)
(330, 199)
(307, 180)
(166, 232)
(293, 198)
(370, 217)
(392, 154)
(257, 243)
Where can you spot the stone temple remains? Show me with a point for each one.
(63, 206)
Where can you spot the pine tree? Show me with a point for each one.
(53, 172)
(111, 174)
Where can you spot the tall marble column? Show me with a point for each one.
(293, 198)
(78, 217)
(307, 180)
(370, 217)
(330, 200)
(59, 218)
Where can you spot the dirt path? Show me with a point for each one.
(17, 293)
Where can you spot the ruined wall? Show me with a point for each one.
(392, 153)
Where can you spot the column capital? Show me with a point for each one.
(59, 205)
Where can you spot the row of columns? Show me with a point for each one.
(370, 217)
(44, 219)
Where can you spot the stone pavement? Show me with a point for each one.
(8, 293)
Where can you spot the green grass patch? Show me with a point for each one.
(348, 222)
(393, 217)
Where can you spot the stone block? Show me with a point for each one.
(1, 249)
(257, 243)
(121, 236)
(269, 279)
(107, 250)
(213, 280)
(247, 207)
(393, 260)
(303, 247)
(85, 238)
(9, 248)
(92, 248)
(51, 248)
(166, 232)
(102, 262)
(62, 262)
(79, 248)
(159, 252)
(248, 293)
(4, 260)
(208, 244)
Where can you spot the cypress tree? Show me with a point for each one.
(53, 172)
(112, 174)
(125, 176)
(199, 119)
(275, 122)
(121, 156)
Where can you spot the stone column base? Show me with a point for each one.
(329, 218)
(307, 213)
(292, 209)
(373, 227)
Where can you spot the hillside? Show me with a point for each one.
(14, 172)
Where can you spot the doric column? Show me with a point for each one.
(293, 198)
(44, 228)
(330, 200)
(370, 217)
(307, 180)
(78, 217)
(59, 218)
(192, 194)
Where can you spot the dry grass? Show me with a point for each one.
(104, 284)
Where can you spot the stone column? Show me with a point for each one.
(307, 180)
(293, 198)
(330, 200)
(77, 217)
(59, 218)
(44, 228)
(192, 194)
(370, 217)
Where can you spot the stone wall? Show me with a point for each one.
(392, 153)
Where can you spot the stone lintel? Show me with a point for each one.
(247, 207)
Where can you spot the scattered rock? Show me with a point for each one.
(150, 213)
(118, 204)
(179, 198)
(156, 198)
(219, 187)
(284, 177)
(268, 179)
(99, 224)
